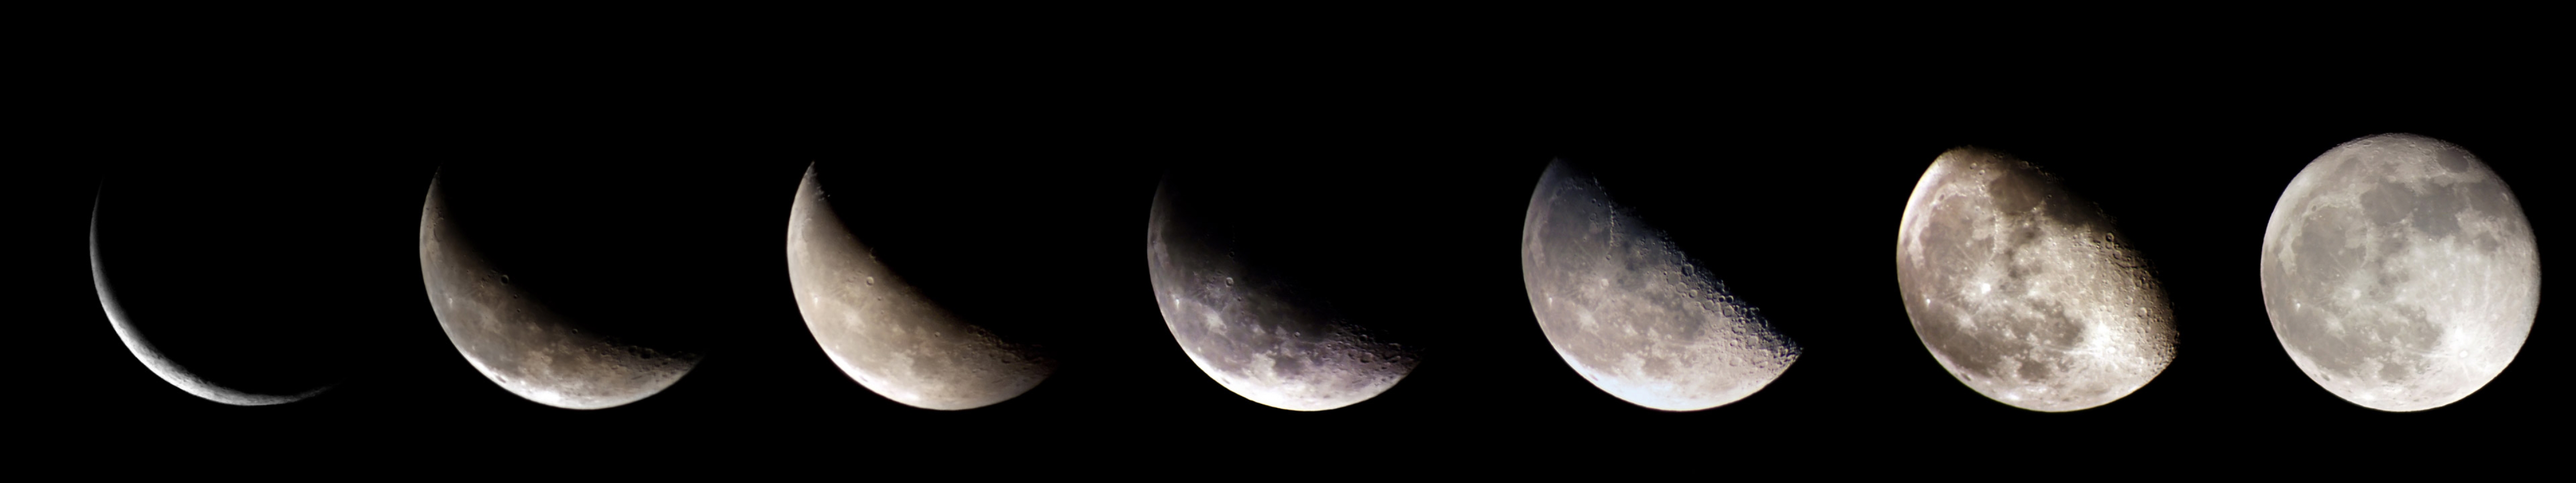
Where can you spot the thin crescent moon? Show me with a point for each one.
(522, 345)
(152, 358)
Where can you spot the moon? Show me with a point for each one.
(521, 344)
(883, 331)
(2399, 272)
(1630, 311)
(228, 368)
(2025, 292)
(1268, 337)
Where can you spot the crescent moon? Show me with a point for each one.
(2400, 273)
(151, 355)
(1633, 314)
(519, 343)
(1260, 336)
(885, 333)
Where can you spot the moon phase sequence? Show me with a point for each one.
(885, 333)
(2025, 292)
(1631, 312)
(2400, 273)
(521, 344)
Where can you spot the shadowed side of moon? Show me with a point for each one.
(1632, 313)
(1244, 319)
(2025, 292)
(520, 343)
(884, 332)
(2400, 273)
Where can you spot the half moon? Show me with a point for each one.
(2400, 273)
(519, 343)
(885, 333)
(2025, 292)
(1262, 336)
(1633, 314)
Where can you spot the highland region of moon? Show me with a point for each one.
(520, 343)
(884, 332)
(2399, 272)
(1262, 336)
(2026, 292)
(1630, 311)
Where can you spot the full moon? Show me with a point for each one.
(2399, 272)
(884, 332)
(1265, 336)
(525, 346)
(1631, 312)
(2025, 292)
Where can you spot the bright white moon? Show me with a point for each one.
(2400, 273)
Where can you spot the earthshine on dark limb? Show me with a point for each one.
(1267, 337)
(2400, 273)
(2026, 292)
(520, 343)
(885, 333)
(1630, 311)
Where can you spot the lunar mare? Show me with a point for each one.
(521, 344)
(2400, 273)
(1630, 311)
(1262, 337)
(154, 359)
(2025, 292)
(884, 332)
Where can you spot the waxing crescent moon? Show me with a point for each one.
(2400, 273)
(1262, 336)
(150, 353)
(1633, 314)
(884, 332)
(521, 344)
(2025, 292)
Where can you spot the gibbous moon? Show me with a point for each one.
(2399, 272)
(884, 332)
(2025, 292)
(521, 344)
(1631, 312)
(1262, 335)
(216, 370)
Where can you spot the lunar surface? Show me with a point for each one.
(1264, 336)
(1630, 311)
(160, 362)
(521, 344)
(2025, 292)
(2399, 272)
(884, 332)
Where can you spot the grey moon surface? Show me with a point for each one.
(885, 333)
(2399, 272)
(1630, 311)
(2026, 292)
(518, 342)
(152, 356)
(1259, 337)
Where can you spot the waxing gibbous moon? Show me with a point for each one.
(884, 332)
(2399, 272)
(2025, 292)
(521, 344)
(1262, 335)
(1630, 311)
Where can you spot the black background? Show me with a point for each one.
(1785, 168)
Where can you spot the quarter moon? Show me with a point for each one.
(2400, 273)
(1630, 311)
(521, 344)
(2025, 292)
(885, 333)
(150, 354)
(1263, 336)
